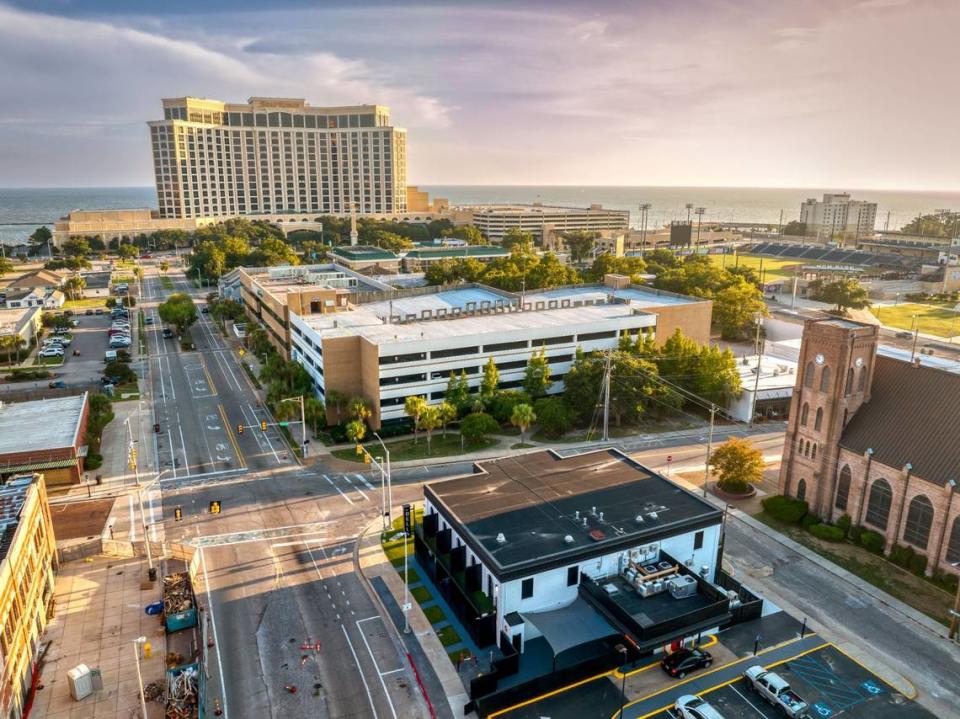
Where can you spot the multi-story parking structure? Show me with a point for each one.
(408, 342)
(276, 156)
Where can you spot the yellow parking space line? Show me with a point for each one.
(233, 440)
(870, 671)
(713, 671)
(561, 690)
(213, 387)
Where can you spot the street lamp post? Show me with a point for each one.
(303, 422)
(623, 679)
(699, 211)
(644, 210)
(386, 453)
(137, 643)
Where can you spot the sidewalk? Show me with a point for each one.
(99, 613)
(429, 657)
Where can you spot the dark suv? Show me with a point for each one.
(683, 661)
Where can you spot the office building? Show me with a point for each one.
(270, 294)
(837, 216)
(540, 220)
(568, 551)
(21, 322)
(407, 342)
(276, 156)
(27, 563)
(874, 437)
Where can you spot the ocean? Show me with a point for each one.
(23, 210)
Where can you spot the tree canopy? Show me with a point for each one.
(846, 293)
(737, 464)
(178, 310)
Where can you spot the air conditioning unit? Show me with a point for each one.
(682, 586)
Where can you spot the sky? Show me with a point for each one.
(728, 93)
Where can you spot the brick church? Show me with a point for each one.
(875, 438)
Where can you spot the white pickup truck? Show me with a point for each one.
(775, 690)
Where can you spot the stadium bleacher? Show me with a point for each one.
(834, 255)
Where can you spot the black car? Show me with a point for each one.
(905, 335)
(683, 661)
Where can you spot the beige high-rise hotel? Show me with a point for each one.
(275, 156)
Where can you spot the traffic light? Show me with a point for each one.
(263, 425)
(239, 429)
(177, 513)
(215, 506)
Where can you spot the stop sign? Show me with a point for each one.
(669, 457)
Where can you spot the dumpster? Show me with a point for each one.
(179, 604)
(184, 692)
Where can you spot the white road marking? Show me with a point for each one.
(216, 641)
(362, 676)
(379, 673)
(747, 700)
(300, 541)
(153, 517)
(365, 482)
(173, 456)
(338, 489)
(183, 444)
(392, 671)
(133, 519)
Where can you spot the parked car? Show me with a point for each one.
(50, 352)
(63, 341)
(683, 661)
(776, 691)
(167, 333)
(148, 320)
(905, 335)
(99, 311)
(205, 310)
(57, 384)
(691, 707)
(119, 344)
(88, 312)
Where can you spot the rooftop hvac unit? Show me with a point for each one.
(682, 586)
(501, 538)
(568, 539)
(648, 589)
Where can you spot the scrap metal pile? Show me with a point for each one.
(182, 693)
(177, 594)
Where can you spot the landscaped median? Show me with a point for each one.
(409, 449)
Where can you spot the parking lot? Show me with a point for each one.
(89, 338)
(829, 681)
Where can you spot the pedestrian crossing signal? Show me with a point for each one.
(239, 429)
(215, 507)
(178, 513)
(263, 425)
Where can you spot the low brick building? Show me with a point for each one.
(875, 438)
(45, 436)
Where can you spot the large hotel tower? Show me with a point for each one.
(276, 156)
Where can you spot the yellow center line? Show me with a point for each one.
(233, 440)
(213, 388)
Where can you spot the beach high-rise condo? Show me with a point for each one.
(276, 156)
(837, 215)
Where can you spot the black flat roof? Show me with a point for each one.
(533, 500)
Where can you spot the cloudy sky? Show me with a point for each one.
(791, 93)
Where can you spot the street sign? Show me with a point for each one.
(407, 520)
(284, 424)
(669, 458)
(241, 351)
(215, 506)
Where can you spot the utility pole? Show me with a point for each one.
(699, 211)
(780, 224)
(756, 381)
(606, 398)
(689, 207)
(644, 211)
(706, 467)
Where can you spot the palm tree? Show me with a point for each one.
(522, 417)
(336, 399)
(430, 419)
(74, 287)
(9, 343)
(359, 408)
(313, 411)
(413, 406)
(356, 431)
(6, 266)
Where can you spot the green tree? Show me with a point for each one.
(73, 287)
(6, 266)
(580, 244)
(430, 420)
(164, 266)
(209, 259)
(941, 224)
(447, 413)
(503, 402)
(735, 309)
(490, 382)
(39, 239)
(413, 407)
(458, 392)
(478, 426)
(515, 236)
(76, 247)
(389, 241)
(259, 343)
(554, 417)
(846, 293)
(737, 464)
(128, 251)
(178, 310)
(607, 264)
(314, 411)
(356, 430)
(536, 376)
(522, 417)
(338, 401)
(795, 228)
(469, 233)
(10, 346)
(270, 253)
(359, 408)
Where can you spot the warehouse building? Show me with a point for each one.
(407, 342)
(44, 436)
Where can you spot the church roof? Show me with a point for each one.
(912, 416)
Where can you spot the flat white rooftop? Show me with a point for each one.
(775, 373)
(377, 320)
(41, 424)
